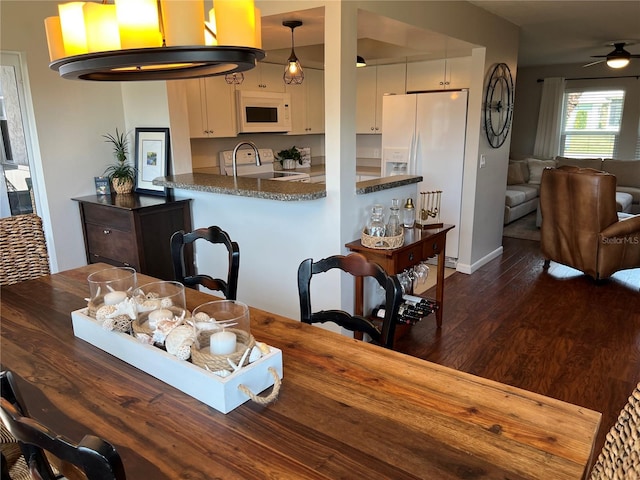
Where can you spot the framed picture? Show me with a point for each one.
(152, 159)
(102, 185)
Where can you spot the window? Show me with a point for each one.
(16, 192)
(591, 123)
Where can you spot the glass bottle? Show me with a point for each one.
(376, 226)
(394, 227)
(409, 214)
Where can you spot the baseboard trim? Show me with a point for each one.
(469, 269)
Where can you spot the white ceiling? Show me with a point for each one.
(556, 32)
(380, 39)
(552, 32)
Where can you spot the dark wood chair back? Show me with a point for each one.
(359, 266)
(96, 458)
(213, 234)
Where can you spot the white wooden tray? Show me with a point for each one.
(217, 392)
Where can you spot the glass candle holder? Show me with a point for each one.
(160, 302)
(110, 286)
(226, 323)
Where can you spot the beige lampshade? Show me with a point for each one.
(180, 20)
(101, 27)
(54, 38)
(74, 34)
(138, 23)
(235, 22)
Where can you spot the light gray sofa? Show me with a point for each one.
(523, 183)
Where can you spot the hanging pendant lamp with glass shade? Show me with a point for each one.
(293, 73)
(134, 40)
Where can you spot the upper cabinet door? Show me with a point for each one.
(373, 83)
(315, 101)
(366, 100)
(444, 74)
(307, 104)
(459, 71)
(265, 77)
(211, 107)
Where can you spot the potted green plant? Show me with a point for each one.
(289, 157)
(121, 174)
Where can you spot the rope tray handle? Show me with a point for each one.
(269, 398)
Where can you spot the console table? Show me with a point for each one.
(419, 244)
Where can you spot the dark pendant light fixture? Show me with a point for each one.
(360, 62)
(293, 73)
(115, 42)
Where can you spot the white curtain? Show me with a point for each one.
(547, 143)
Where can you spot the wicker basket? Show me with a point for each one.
(382, 243)
(120, 186)
(202, 357)
(23, 249)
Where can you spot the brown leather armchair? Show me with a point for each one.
(580, 226)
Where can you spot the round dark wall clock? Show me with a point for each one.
(498, 105)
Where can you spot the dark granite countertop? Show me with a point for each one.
(270, 189)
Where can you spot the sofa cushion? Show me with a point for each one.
(524, 166)
(515, 175)
(633, 191)
(623, 202)
(595, 163)
(517, 194)
(536, 167)
(627, 172)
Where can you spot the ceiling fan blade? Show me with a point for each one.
(593, 63)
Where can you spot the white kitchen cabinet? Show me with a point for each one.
(372, 84)
(307, 104)
(211, 106)
(265, 77)
(444, 74)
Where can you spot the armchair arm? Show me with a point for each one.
(628, 226)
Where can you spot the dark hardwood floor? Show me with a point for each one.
(555, 332)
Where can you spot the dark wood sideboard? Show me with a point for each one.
(134, 231)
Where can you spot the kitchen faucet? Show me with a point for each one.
(235, 152)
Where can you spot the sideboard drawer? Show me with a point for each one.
(99, 259)
(408, 258)
(111, 243)
(432, 248)
(113, 217)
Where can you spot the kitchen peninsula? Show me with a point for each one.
(270, 189)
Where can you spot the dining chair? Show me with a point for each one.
(620, 456)
(23, 249)
(357, 265)
(215, 235)
(93, 456)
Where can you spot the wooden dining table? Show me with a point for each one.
(346, 409)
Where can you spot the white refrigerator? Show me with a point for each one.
(424, 134)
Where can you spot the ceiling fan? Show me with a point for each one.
(618, 58)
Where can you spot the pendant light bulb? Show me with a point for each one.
(293, 73)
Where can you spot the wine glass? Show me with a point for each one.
(422, 272)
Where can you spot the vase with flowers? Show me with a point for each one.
(121, 174)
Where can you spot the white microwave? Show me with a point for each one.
(263, 112)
